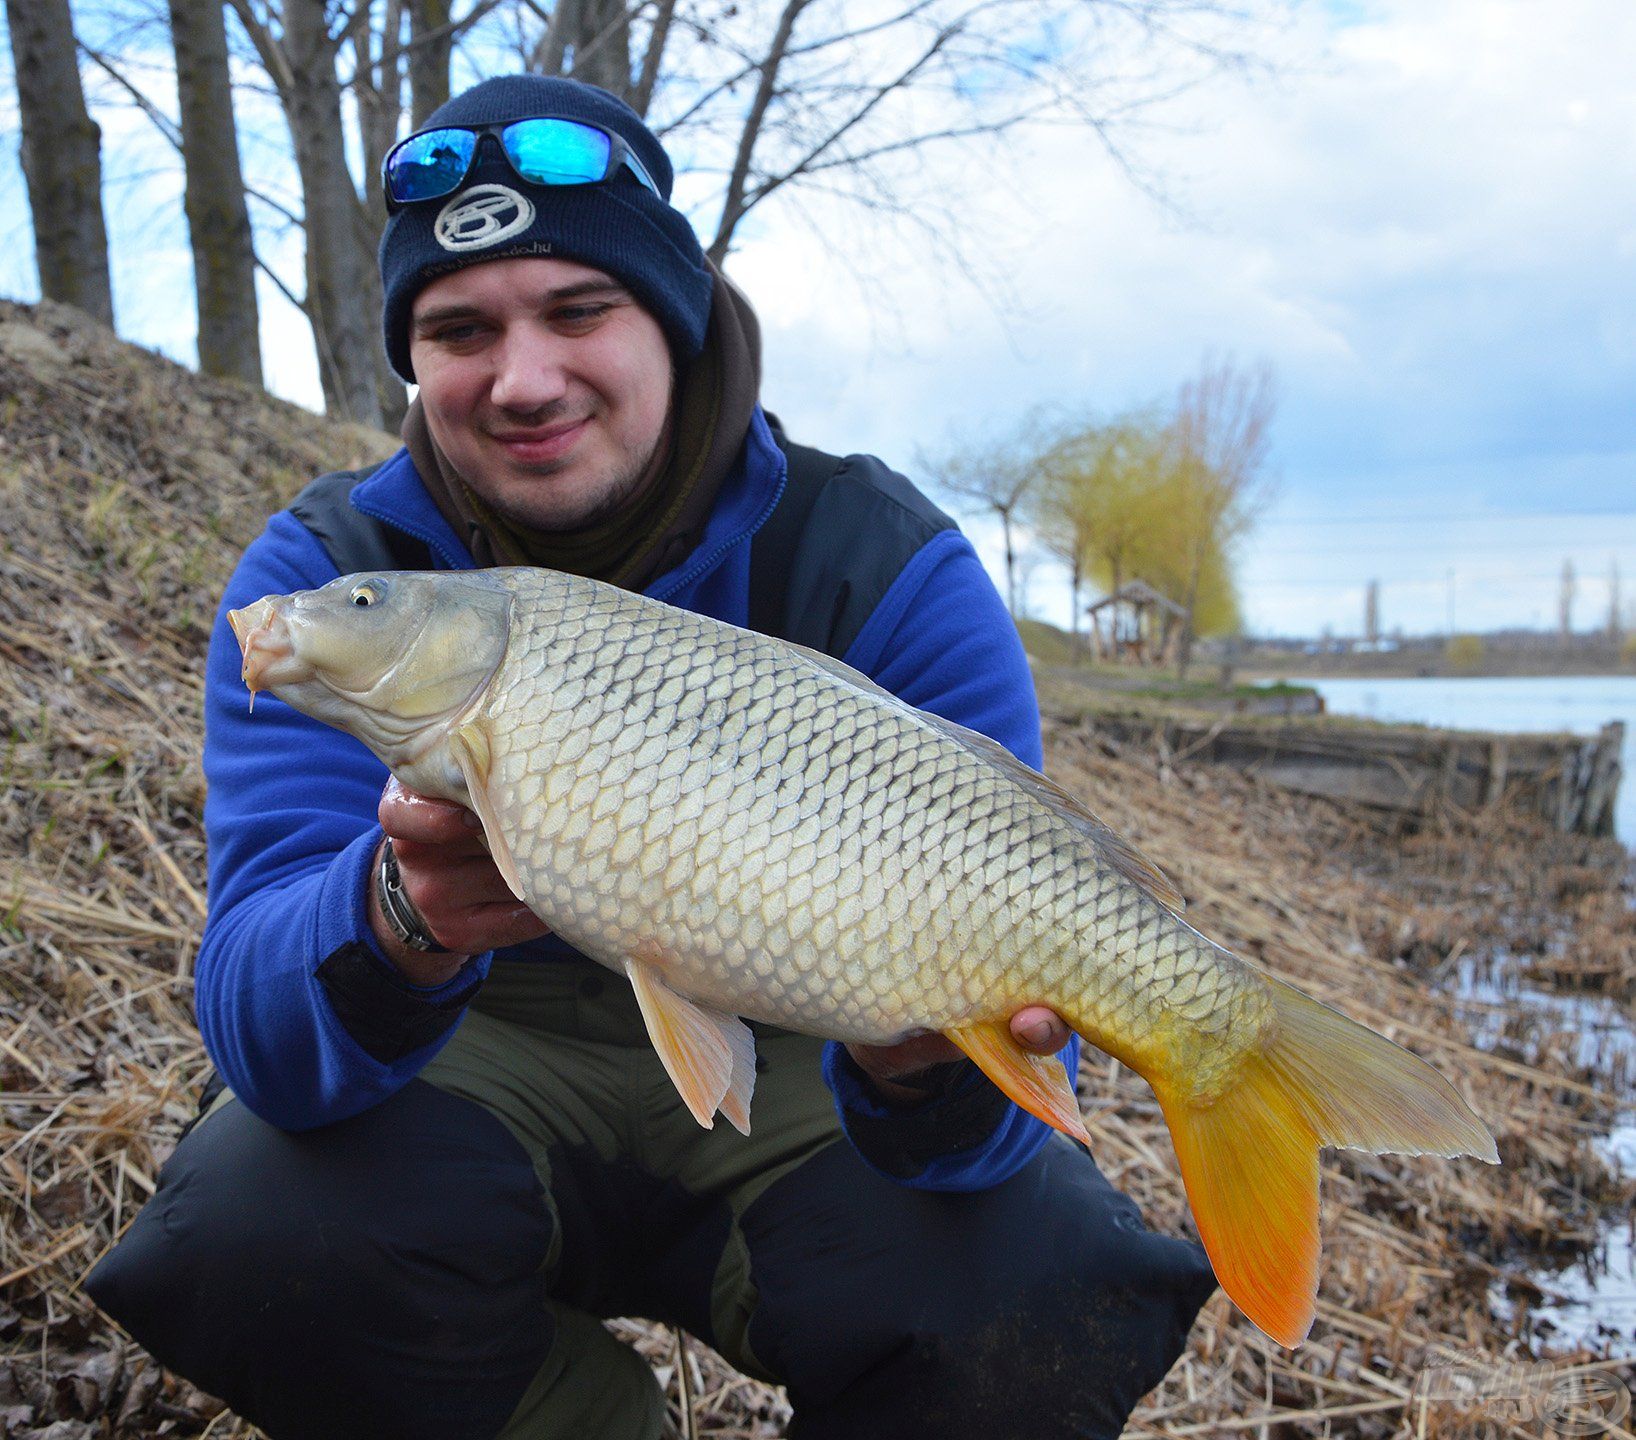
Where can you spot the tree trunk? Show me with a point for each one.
(62, 158)
(642, 96)
(1075, 579)
(550, 54)
(218, 221)
(340, 275)
(377, 89)
(431, 43)
(602, 46)
(1184, 640)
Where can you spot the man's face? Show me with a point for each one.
(545, 384)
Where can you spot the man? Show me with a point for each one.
(446, 1147)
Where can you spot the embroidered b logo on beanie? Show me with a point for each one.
(481, 216)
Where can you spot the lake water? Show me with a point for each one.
(1579, 704)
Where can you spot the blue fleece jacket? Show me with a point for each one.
(290, 817)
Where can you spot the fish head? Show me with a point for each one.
(391, 657)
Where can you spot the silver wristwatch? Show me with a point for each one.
(406, 922)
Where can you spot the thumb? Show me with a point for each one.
(1040, 1030)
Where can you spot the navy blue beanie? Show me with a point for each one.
(618, 226)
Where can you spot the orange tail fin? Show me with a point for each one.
(1249, 1159)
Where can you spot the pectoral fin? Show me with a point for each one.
(1039, 1083)
(710, 1055)
(470, 748)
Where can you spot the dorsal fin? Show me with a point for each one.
(1117, 852)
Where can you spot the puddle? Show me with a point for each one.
(1549, 1028)
(1591, 1304)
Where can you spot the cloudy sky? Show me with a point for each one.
(1424, 220)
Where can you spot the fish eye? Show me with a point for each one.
(366, 594)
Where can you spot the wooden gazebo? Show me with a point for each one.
(1142, 625)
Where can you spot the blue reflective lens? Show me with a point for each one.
(428, 165)
(556, 152)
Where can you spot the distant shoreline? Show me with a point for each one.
(1421, 666)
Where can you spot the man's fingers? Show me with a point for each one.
(407, 815)
(490, 927)
(1041, 1030)
(439, 881)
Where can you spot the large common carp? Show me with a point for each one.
(747, 828)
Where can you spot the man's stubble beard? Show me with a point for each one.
(626, 487)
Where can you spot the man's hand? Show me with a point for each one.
(450, 877)
(1035, 1028)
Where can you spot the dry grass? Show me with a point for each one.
(127, 487)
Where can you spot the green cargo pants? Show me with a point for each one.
(560, 1054)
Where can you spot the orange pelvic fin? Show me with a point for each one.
(1249, 1157)
(708, 1054)
(1039, 1083)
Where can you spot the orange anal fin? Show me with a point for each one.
(709, 1055)
(1250, 1165)
(1039, 1083)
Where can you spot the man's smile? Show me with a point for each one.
(534, 443)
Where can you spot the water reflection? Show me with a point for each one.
(1590, 1305)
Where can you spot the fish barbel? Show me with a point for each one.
(747, 828)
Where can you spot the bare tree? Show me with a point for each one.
(1059, 517)
(218, 219)
(995, 478)
(62, 159)
(300, 55)
(849, 112)
(1223, 435)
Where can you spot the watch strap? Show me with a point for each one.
(403, 919)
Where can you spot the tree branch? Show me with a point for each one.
(857, 118)
(157, 117)
(642, 97)
(269, 49)
(732, 210)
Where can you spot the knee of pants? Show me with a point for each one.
(1042, 1307)
(381, 1276)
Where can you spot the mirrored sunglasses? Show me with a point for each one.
(546, 150)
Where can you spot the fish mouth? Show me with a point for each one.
(264, 637)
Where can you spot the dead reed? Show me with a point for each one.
(127, 488)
